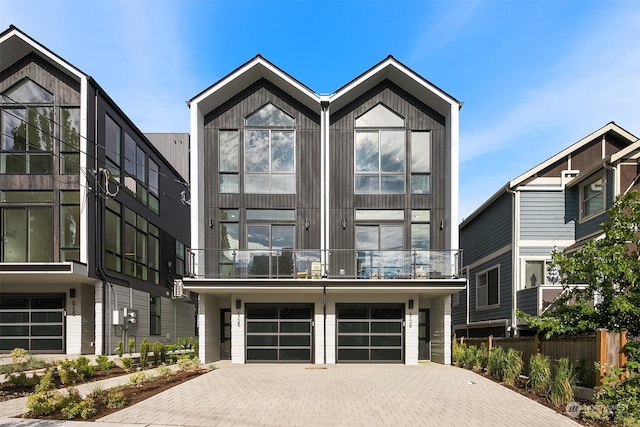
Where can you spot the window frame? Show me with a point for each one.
(524, 280)
(603, 194)
(155, 318)
(486, 272)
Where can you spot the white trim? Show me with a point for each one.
(197, 190)
(522, 282)
(84, 158)
(544, 243)
(490, 257)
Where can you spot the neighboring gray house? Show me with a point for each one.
(508, 240)
(323, 226)
(90, 214)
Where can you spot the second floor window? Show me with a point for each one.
(27, 226)
(592, 197)
(488, 288)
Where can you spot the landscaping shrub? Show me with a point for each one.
(46, 398)
(469, 356)
(164, 370)
(74, 405)
(185, 363)
(159, 353)
(458, 353)
(105, 363)
(115, 398)
(120, 349)
(482, 357)
(512, 367)
(22, 380)
(539, 374)
(144, 352)
(495, 363)
(75, 370)
(19, 356)
(127, 362)
(138, 378)
(563, 385)
(131, 345)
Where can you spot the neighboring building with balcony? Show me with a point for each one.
(324, 227)
(91, 217)
(558, 204)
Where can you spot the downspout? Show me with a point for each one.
(515, 266)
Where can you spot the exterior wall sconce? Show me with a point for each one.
(306, 224)
(211, 223)
(410, 304)
(442, 224)
(343, 223)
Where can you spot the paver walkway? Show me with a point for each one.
(339, 395)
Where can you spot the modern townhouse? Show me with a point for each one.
(324, 227)
(94, 228)
(508, 241)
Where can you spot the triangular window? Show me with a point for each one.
(270, 115)
(379, 116)
(28, 92)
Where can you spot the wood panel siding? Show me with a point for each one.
(542, 216)
(490, 231)
(587, 156)
(306, 200)
(342, 197)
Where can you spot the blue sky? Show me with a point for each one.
(534, 76)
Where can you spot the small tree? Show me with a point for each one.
(609, 270)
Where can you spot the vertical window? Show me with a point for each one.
(379, 153)
(592, 197)
(112, 235)
(534, 274)
(27, 138)
(154, 192)
(130, 150)
(379, 250)
(70, 141)
(266, 243)
(135, 245)
(180, 258)
(420, 162)
(229, 241)
(154, 254)
(269, 152)
(112, 147)
(154, 314)
(487, 288)
(27, 230)
(421, 242)
(229, 161)
(70, 226)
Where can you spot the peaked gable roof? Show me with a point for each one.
(248, 73)
(393, 70)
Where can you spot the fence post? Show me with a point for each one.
(536, 343)
(461, 340)
(490, 343)
(601, 354)
(623, 353)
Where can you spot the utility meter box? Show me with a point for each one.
(117, 318)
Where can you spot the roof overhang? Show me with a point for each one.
(71, 273)
(245, 75)
(402, 76)
(14, 45)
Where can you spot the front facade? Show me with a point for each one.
(322, 224)
(508, 241)
(90, 215)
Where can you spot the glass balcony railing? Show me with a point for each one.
(328, 264)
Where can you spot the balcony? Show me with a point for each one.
(290, 264)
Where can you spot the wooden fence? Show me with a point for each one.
(604, 348)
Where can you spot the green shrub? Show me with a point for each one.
(75, 370)
(482, 357)
(185, 363)
(19, 356)
(159, 353)
(115, 398)
(46, 399)
(164, 370)
(127, 362)
(513, 365)
(539, 374)
(131, 345)
(144, 352)
(120, 349)
(74, 405)
(22, 380)
(563, 385)
(138, 378)
(496, 362)
(458, 352)
(105, 363)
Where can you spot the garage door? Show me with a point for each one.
(370, 333)
(32, 322)
(277, 333)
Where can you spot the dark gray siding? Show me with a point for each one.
(306, 200)
(542, 216)
(489, 231)
(505, 297)
(343, 201)
(459, 313)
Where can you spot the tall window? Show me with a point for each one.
(592, 197)
(421, 242)
(379, 152)
(154, 192)
(135, 245)
(27, 226)
(69, 226)
(229, 240)
(229, 161)
(153, 259)
(154, 314)
(269, 152)
(420, 162)
(113, 135)
(112, 235)
(28, 134)
(180, 255)
(488, 288)
(70, 141)
(379, 250)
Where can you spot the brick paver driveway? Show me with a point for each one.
(340, 395)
